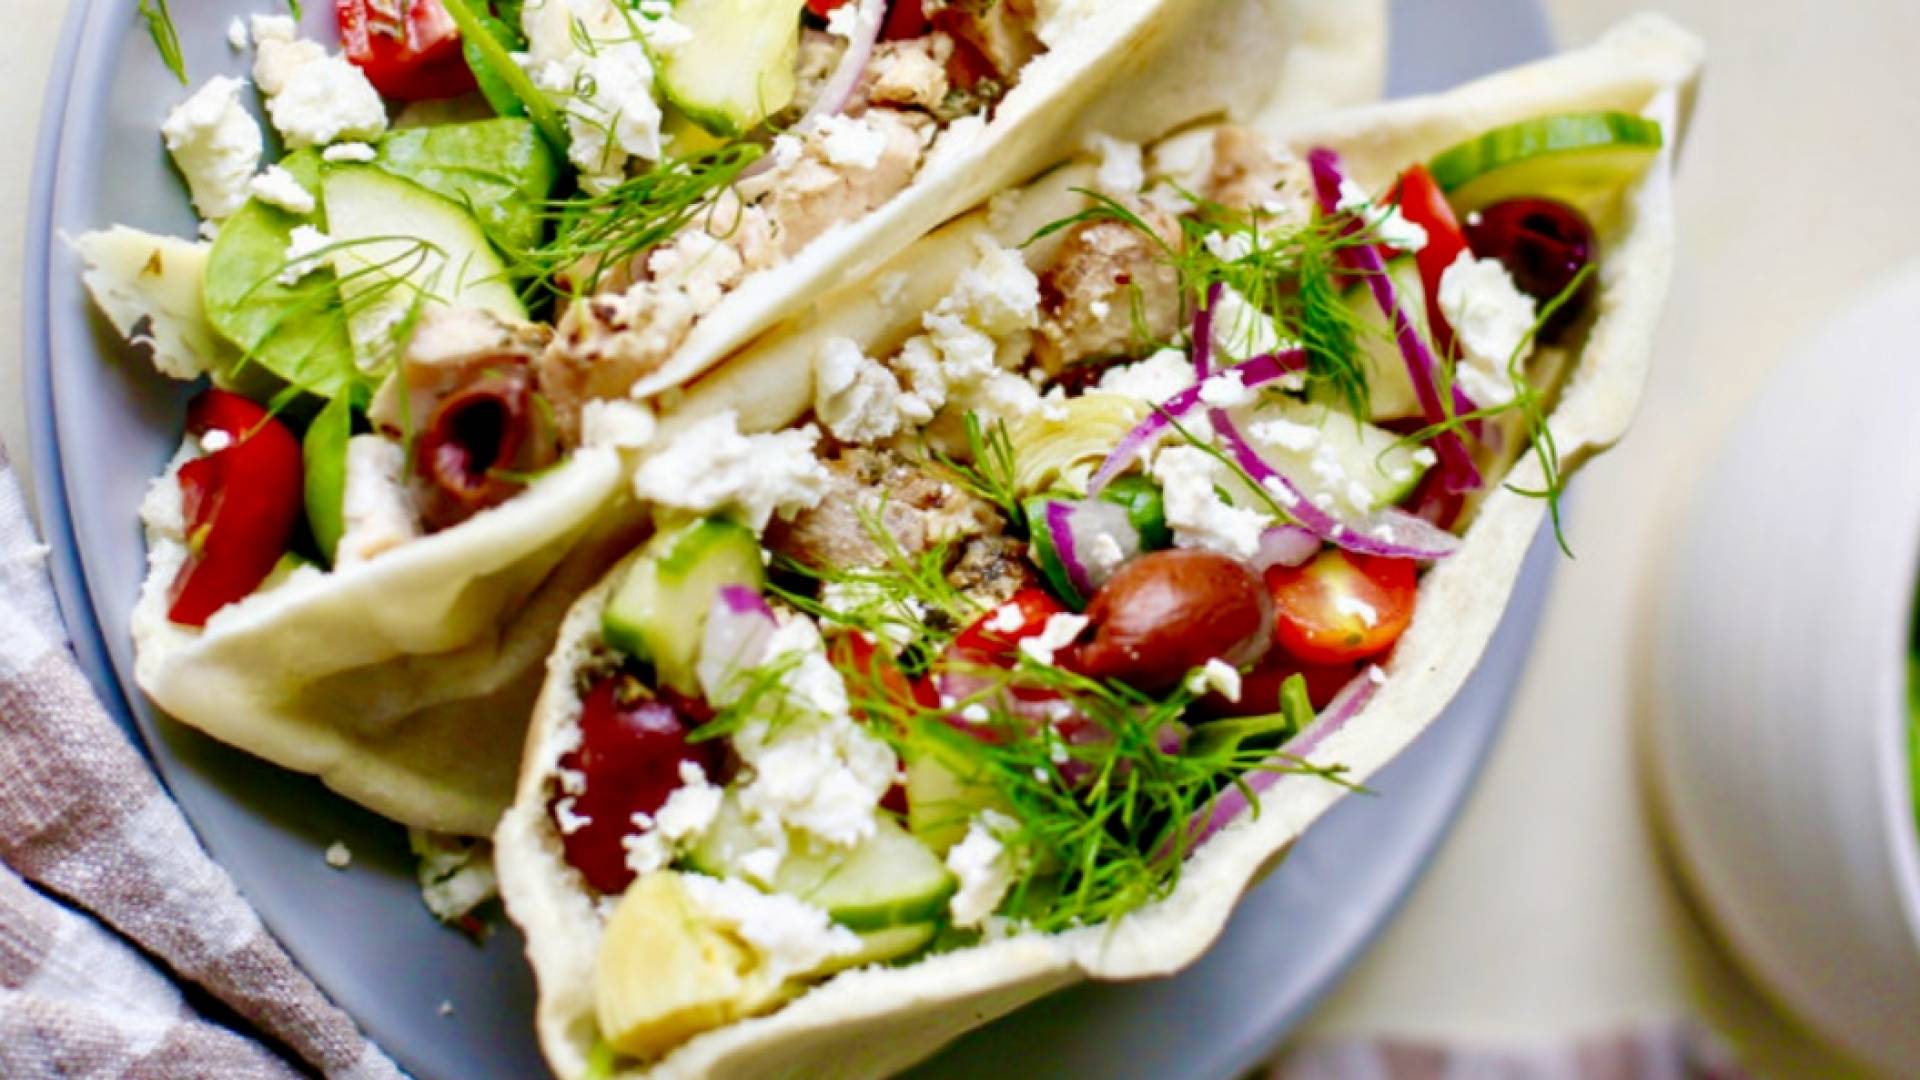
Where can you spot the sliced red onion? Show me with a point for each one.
(839, 87)
(1390, 533)
(1286, 545)
(1457, 471)
(1077, 529)
(1203, 334)
(1255, 372)
(739, 627)
(1233, 802)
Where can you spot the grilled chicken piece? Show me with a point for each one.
(1088, 295)
(916, 511)
(1250, 173)
(994, 35)
(991, 569)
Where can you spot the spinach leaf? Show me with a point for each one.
(323, 456)
(500, 169)
(297, 332)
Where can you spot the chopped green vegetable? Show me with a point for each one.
(499, 60)
(296, 331)
(495, 87)
(501, 170)
(165, 37)
(323, 456)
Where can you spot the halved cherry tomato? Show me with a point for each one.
(905, 20)
(991, 637)
(823, 8)
(1342, 607)
(412, 56)
(240, 503)
(1260, 688)
(1422, 202)
(870, 672)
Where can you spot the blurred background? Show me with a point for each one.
(1549, 915)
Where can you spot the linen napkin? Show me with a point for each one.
(108, 903)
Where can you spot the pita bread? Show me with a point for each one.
(876, 1021)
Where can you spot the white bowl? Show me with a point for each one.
(1778, 739)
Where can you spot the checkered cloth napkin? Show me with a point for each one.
(108, 904)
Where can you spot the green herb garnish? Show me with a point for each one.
(165, 37)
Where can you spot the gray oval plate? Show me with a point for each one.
(102, 425)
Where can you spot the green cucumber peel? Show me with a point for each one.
(323, 457)
(502, 171)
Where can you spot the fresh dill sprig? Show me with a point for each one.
(166, 38)
(474, 30)
(600, 234)
(994, 473)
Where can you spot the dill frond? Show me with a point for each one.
(166, 37)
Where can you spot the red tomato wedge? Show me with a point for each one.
(1260, 688)
(1342, 607)
(240, 503)
(991, 637)
(823, 8)
(906, 19)
(1422, 202)
(871, 673)
(413, 56)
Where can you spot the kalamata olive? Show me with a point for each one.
(628, 762)
(476, 442)
(1544, 244)
(1169, 612)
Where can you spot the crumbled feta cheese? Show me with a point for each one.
(997, 295)
(785, 152)
(699, 265)
(314, 98)
(1389, 225)
(712, 468)
(844, 20)
(623, 425)
(1226, 390)
(455, 873)
(1103, 556)
(1060, 632)
(1376, 675)
(587, 55)
(376, 506)
(1355, 607)
(1122, 172)
(1155, 380)
(856, 398)
(349, 153)
(446, 1008)
(1188, 478)
(819, 772)
(1229, 246)
(1057, 22)
(689, 812)
(279, 28)
(215, 440)
(975, 713)
(1218, 676)
(1242, 331)
(237, 38)
(1007, 619)
(566, 818)
(1491, 318)
(791, 936)
(646, 850)
(849, 142)
(983, 867)
(304, 247)
(761, 864)
(338, 856)
(216, 145)
(277, 187)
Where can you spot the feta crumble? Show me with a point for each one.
(856, 398)
(338, 856)
(349, 153)
(849, 141)
(1242, 331)
(712, 468)
(1490, 317)
(791, 936)
(1389, 225)
(277, 187)
(1218, 676)
(304, 247)
(1060, 632)
(237, 38)
(1199, 518)
(216, 145)
(313, 97)
(1122, 171)
(981, 864)
(1154, 380)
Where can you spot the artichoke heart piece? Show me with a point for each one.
(1061, 452)
(665, 974)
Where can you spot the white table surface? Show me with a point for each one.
(1549, 913)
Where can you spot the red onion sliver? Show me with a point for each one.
(1203, 333)
(1286, 545)
(1060, 531)
(839, 87)
(1233, 802)
(1255, 372)
(1457, 469)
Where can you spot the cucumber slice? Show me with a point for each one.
(885, 946)
(1370, 457)
(396, 242)
(942, 798)
(659, 610)
(736, 67)
(889, 881)
(1390, 391)
(1583, 159)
